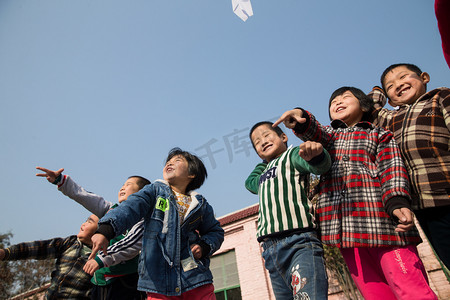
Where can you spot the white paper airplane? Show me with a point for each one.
(242, 8)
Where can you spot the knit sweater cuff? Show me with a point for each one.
(100, 262)
(107, 230)
(316, 160)
(395, 203)
(300, 128)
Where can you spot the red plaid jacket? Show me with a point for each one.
(367, 172)
(422, 132)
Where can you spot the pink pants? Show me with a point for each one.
(204, 292)
(388, 273)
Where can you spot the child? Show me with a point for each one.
(117, 277)
(69, 281)
(292, 252)
(363, 196)
(421, 127)
(180, 231)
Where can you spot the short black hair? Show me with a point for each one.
(410, 67)
(365, 101)
(195, 167)
(277, 130)
(141, 181)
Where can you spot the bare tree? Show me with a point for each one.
(20, 276)
(6, 276)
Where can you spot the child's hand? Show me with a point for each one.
(309, 150)
(2, 254)
(290, 118)
(99, 242)
(91, 266)
(405, 219)
(196, 251)
(49, 174)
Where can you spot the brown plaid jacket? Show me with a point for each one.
(422, 132)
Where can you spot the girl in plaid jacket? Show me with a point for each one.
(364, 204)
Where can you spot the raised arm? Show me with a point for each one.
(92, 202)
(380, 116)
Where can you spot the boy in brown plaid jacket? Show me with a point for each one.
(421, 127)
(69, 281)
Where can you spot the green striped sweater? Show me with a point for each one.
(283, 204)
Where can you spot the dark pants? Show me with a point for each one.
(122, 288)
(435, 222)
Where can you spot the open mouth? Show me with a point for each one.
(267, 147)
(403, 91)
(339, 109)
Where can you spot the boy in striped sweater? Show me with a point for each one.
(293, 253)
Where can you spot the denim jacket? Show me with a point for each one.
(166, 264)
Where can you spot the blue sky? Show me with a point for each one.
(105, 89)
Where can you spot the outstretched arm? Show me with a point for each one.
(41, 249)
(92, 202)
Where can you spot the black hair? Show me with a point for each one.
(365, 102)
(410, 67)
(277, 130)
(195, 167)
(141, 181)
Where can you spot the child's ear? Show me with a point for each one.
(191, 176)
(284, 138)
(425, 77)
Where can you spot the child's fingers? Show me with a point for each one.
(42, 169)
(403, 227)
(281, 119)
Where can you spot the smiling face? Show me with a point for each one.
(129, 187)
(88, 229)
(346, 107)
(404, 86)
(268, 144)
(176, 173)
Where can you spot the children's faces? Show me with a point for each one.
(88, 229)
(268, 144)
(346, 107)
(404, 86)
(176, 173)
(129, 187)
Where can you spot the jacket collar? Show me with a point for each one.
(336, 124)
(196, 197)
